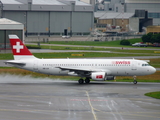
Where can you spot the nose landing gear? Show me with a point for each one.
(134, 81)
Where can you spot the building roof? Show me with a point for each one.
(99, 14)
(7, 24)
(43, 2)
(47, 2)
(78, 2)
(153, 27)
(142, 1)
(125, 15)
(112, 15)
(10, 2)
(46, 5)
(8, 21)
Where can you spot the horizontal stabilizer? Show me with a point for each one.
(15, 63)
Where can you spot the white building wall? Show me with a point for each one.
(133, 26)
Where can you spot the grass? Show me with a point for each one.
(155, 62)
(8, 56)
(147, 78)
(86, 55)
(154, 94)
(124, 50)
(93, 43)
(100, 43)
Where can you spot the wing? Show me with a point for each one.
(84, 71)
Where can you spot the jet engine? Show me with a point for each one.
(98, 76)
(101, 76)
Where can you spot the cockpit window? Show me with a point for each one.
(145, 65)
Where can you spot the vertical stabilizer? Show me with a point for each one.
(19, 50)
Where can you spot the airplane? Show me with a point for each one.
(95, 69)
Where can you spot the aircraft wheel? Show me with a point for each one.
(87, 80)
(81, 81)
(135, 81)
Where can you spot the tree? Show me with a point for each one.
(153, 38)
(158, 38)
(124, 42)
(147, 38)
(144, 38)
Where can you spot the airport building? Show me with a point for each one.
(153, 29)
(130, 6)
(120, 22)
(137, 14)
(50, 17)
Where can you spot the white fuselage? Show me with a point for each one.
(112, 67)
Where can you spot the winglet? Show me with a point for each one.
(19, 50)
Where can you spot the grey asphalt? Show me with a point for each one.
(26, 98)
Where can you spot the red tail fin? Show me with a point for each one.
(19, 50)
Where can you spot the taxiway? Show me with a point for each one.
(26, 98)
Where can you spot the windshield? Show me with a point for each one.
(145, 65)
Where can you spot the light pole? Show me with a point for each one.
(1, 9)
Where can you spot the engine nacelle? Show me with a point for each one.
(110, 78)
(98, 76)
(101, 76)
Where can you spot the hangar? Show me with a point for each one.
(49, 17)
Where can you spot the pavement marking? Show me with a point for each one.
(89, 101)
(96, 100)
(22, 110)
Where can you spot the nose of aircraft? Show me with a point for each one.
(152, 70)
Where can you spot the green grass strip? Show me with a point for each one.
(154, 94)
(94, 43)
(8, 56)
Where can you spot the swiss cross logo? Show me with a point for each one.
(99, 76)
(18, 47)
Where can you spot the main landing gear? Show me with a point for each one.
(134, 81)
(81, 81)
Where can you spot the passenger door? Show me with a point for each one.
(134, 65)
